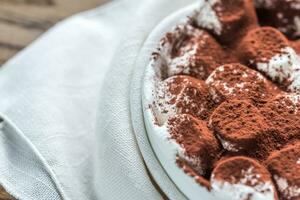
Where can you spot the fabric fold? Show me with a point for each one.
(24, 168)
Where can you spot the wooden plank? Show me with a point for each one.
(22, 21)
(37, 2)
(5, 54)
(23, 38)
(4, 195)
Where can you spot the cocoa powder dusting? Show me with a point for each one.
(236, 81)
(231, 121)
(184, 95)
(237, 123)
(285, 166)
(236, 17)
(239, 167)
(261, 44)
(197, 55)
(201, 148)
(191, 172)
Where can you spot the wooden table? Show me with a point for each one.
(22, 21)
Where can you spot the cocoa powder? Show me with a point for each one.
(236, 81)
(225, 170)
(285, 166)
(197, 140)
(197, 55)
(224, 112)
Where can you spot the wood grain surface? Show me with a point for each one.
(22, 21)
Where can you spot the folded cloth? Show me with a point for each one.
(66, 128)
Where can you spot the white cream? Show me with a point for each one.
(207, 18)
(167, 151)
(227, 89)
(228, 145)
(162, 108)
(165, 103)
(282, 67)
(288, 191)
(179, 151)
(180, 64)
(228, 191)
(294, 98)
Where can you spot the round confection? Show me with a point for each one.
(196, 54)
(270, 52)
(182, 95)
(200, 147)
(231, 14)
(227, 20)
(238, 125)
(285, 167)
(282, 115)
(239, 178)
(238, 81)
(279, 119)
(261, 44)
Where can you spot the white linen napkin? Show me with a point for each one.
(65, 103)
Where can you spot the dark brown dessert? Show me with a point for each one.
(240, 169)
(285, 166)
(238, 125)
(261, 44)
(281, 14)
(231, 96)
(198, 54)
(236, 81)
(200, 154)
